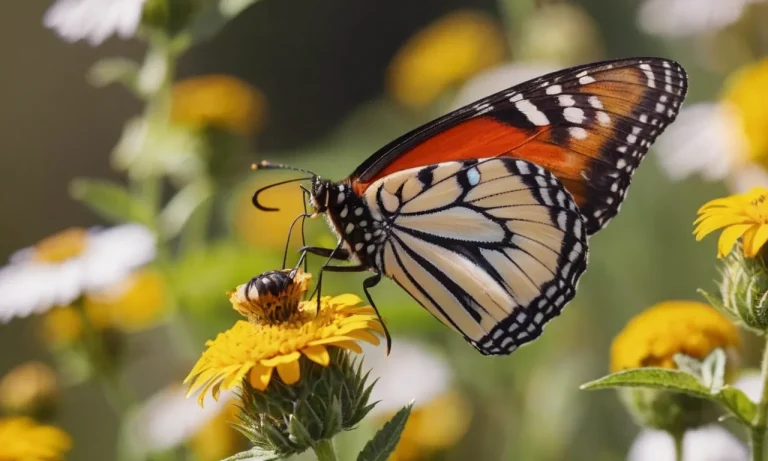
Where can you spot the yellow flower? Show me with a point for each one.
(445, 53)
(23, 439)
(137, 303)
(217, 439)
(746, 91)
(266, 229)
(61, 246)
(254, 350)
(28, 389)
(436, 425)
(741, 215)
(63, 326)
(218, 101)
(652, 338)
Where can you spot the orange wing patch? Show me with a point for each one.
(589, 125)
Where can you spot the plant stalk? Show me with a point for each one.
(325, 451)
(678, 440)
(757, 433)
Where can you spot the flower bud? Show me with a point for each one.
(669, 411)
(743, 290)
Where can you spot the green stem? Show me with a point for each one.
(119, 394)
(325, 451)
(678, 440)
(757, 434)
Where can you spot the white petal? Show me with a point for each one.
(94, 20)
(31, 288)
(113, 253)
(168, 419)
(708, 443)
(498, 79)
(680, 18)
(410, 372)
(705, 139)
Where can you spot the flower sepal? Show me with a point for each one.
(676, 400)
(285, 419)
(743, 296)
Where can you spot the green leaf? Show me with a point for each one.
(254, 454)
(738, 403)
(333, 418)
(384, 442)
(111, 201)
(657, 378)
(113, 70)
(182, 206)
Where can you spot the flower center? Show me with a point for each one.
(64, 245)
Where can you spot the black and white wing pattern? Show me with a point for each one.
(491, 247)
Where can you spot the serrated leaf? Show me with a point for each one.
(738, 403)
(657, 378)
(111, 201)
(381, 446)
(254, 454)
(299, 433)
(113, 70)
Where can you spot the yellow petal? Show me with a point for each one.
(345, 300)
(236, 377)
(260, 376)
(351, 345)
(728, 239)
(289, 372)
(710, 225)
(277, 360)
(364, 335)
(317, 354)
(758, 240)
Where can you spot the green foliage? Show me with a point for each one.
(289, 419)
(707, 385)
(113, 70)
(384, 442)
(111, 201)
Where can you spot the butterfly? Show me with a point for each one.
(484, 215)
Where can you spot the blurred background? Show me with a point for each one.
(332, 82)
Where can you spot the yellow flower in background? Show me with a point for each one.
(746, 90)
(29, 389)
(137, 303)
(652, 338)
(217, 439)
(445, 53)
(725, 139)
(253, 350)
(266, 229)
(23, 439)
(218, 101)
(742, 216)
(436, 425)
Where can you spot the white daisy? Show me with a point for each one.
(60, 268)
(168, 419)
(708, 443)
(409, 373)
(680, 18)
(708, 139)
(500, 78)
(94, 20)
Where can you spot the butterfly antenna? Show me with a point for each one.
(307, 194)
(265, 165)
(256, 194)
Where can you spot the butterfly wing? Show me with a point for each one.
(491, 247)
(590, 125)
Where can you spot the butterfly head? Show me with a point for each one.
(320, 194)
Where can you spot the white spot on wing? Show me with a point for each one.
(566, 100)
(533, 114)
(578, 132)
(473, 176)
(555, 89)
(574, 115)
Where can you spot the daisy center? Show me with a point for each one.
(64, 245)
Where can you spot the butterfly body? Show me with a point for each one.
(483, 216)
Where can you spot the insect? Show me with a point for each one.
(483, 215)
